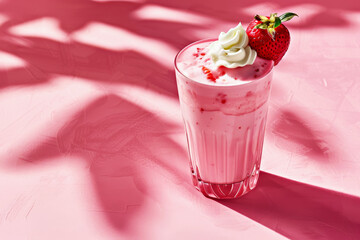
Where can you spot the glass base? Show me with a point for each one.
(226, 191)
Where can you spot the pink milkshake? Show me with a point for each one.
(224, 93)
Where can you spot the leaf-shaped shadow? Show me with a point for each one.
(123, 145)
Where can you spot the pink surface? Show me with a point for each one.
(92, 144)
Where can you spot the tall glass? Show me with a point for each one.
(225, 127)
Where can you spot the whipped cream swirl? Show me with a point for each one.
(231, 49)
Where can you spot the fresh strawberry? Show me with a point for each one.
(269, 37)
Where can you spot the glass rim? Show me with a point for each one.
(250, 82)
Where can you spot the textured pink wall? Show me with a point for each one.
(91, 138)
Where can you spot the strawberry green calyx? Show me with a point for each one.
(272, 22)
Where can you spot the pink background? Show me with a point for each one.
(91, 138)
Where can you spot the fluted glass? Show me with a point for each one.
(225, 128)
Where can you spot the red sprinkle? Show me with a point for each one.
(208, 74)
(211, 77)
(201, 109)
(221, 97)
(202, 54)
(249, 93)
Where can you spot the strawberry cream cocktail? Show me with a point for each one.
(224, 87)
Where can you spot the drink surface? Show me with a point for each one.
(195, 63)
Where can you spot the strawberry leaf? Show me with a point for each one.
(277, 22)
(287, 16)
(257, 17)
(261, 18)
(271, 32)
(261, 26)
(272, 17)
